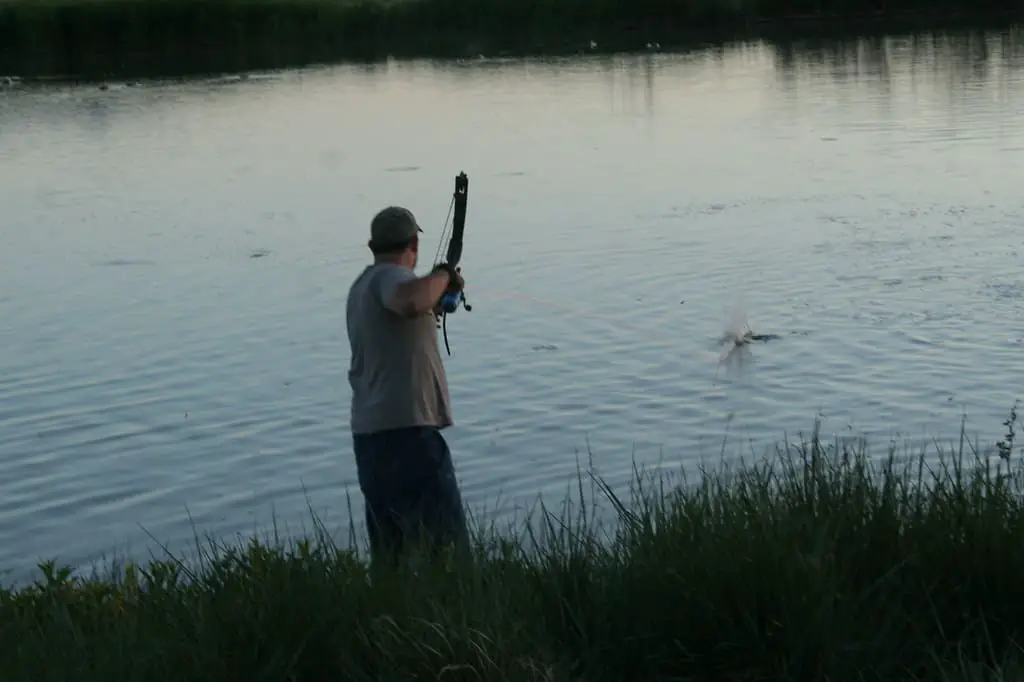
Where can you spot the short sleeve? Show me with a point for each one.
(387, 280)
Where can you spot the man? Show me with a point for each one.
(400, 400)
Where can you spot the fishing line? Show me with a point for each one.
(733, 351)
(645, 335)
(617, 323)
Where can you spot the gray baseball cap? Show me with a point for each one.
(392, 226)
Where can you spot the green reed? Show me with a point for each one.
(820, 563)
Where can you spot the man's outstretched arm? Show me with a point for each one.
(414, 296)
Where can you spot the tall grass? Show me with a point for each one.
(820, 563)
(157, 37)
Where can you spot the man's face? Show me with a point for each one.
(414, 252)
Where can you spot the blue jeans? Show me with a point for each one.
(408, 482)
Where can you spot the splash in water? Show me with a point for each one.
(737, 337)
(734, 354)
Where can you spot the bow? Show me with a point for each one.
(450, 301)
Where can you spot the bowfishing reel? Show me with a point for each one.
(450, 302)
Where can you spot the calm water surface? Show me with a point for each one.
(174, 260)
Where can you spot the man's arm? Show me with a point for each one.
(412, 296)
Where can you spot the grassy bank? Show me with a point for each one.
(120, 38)
(814, 565)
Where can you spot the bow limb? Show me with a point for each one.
(458, 219)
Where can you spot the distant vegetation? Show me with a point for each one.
(819, 564)
(153, 37)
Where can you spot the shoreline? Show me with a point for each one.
(821, 562)
(105, 40)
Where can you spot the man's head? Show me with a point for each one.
(394, 236)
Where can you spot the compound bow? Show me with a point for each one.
(450, 301)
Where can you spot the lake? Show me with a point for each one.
(174, 260)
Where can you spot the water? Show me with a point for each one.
(174, 259)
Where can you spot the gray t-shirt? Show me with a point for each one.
(396, 373)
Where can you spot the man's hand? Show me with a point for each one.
(455, 281)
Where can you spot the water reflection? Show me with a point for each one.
(631, 84)
(962, 57)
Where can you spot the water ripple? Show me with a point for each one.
(157, 380)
